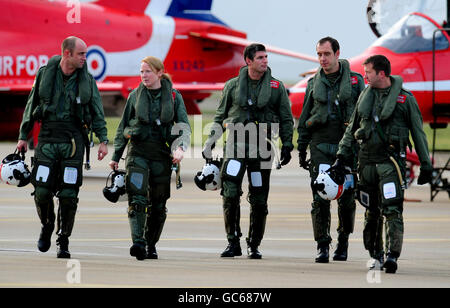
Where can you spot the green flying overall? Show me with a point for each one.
(330, 99)
(252, 104)
(384, 118)
(66, 101)
(156, 129)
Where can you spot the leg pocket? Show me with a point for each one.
(136, 180)
(43, 173)
(390, 187)
(233, 170)
(72, 174)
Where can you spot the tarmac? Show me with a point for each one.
(194, 237)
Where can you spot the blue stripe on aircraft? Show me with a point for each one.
(193, 9)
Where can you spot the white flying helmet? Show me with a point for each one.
(332, 183)
(209, 177)
(14, 171)
(116, 190)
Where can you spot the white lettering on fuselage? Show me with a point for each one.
(21, 64)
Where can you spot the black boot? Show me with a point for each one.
(340, 254)
(253, 252)
(233, 250)
(151, 253)
(45, 237)
(63, 247)
(322, 253)
(390, 265)
(138, 251)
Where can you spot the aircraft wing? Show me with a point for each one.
(25, 87)
(16, 88)
(123, 87)
(199, 86)
(244, 42)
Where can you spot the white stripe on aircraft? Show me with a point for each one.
(126, 63)
(440, 85)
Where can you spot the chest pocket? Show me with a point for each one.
(398, 136)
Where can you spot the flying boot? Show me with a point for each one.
(341, 252)
(390, 265)
(323, 251)
(233, 250)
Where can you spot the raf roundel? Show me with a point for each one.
(96, 62)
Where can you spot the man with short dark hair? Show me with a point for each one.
(384, 117)
(66, 101)
(330, 99)
(252, 100)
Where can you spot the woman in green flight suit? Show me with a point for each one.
(155, 127)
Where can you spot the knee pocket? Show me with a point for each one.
(136, 208)
(160, 172)
(233, 170)
(231, 189)
(260, 209)
(160, 193)
(72, 174)
(391, 192)
(43, 173)
(136, 180)
(42, 194)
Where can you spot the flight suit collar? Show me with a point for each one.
(367, 98)
(242, 88)
(144, 99)
(321, 83)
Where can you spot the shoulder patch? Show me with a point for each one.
(274, 84)
(354, 80)
(174, 94)
(401, 99)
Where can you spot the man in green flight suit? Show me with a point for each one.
(252, 106)
(329, 102)
(66, 101)
(384, 117)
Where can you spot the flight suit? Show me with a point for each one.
(381, 124)
(327, 109)
(258, 107)
(66, 106)
(148, 128)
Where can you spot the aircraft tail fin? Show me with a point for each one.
(189, 9)
(193, 9)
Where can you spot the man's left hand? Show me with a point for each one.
(285, 155)
(177, 155)
(425, 176)
(102, 151)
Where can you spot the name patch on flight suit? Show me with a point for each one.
(389, 190)
(274, 84)
(233, 167)
(42, 173)
(401, 99)
(70, 175)
(354, 80)
(256, 179)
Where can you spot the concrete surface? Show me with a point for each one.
(194, 237)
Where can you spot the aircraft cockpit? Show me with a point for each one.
(412, 33)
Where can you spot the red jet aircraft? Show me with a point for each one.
(199, 51)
